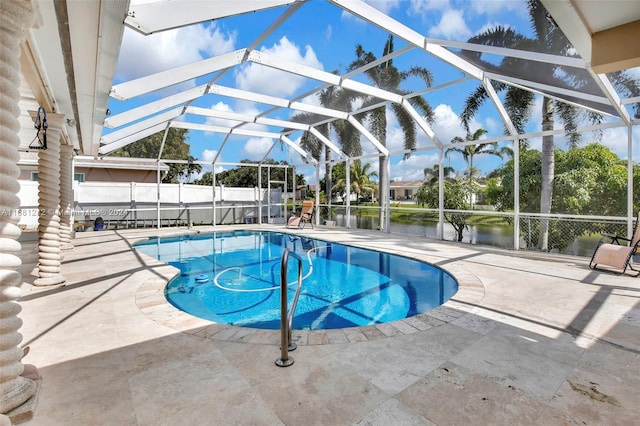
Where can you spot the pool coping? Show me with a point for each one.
(151, 301)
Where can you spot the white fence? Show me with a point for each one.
(136, 204)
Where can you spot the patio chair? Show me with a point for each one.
(306, 216)
(614, 251)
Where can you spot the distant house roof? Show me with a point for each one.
(406, 184)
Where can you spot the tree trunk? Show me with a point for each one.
(548, 168)
(383, 191)
(327, 175)
(470, 183)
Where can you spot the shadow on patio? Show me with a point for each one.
(539, 341)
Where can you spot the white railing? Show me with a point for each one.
(136, 204)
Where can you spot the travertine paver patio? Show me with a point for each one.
(529, 339)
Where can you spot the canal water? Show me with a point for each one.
(492, 235)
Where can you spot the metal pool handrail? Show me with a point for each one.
(286, 320)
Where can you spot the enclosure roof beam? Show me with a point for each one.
(196, 92)
(315, 132)
(143, 85)
(245, 118)
(320, 75)
(305, 155)
(567, 61)
(224, 142)
(222, 129)
(603, 81)
(142, 111)
(266, 154)
(488, 87)
(381, 148)
(384, 21)
(216, 113)
(272, 100)
(105, 149)
(294, 6)
(153, 17)
(421, 122)
(142, 125)
(247, 96)
(281, 64)
(530, 85)
(347, 75)
(438, 87)
(280, 123)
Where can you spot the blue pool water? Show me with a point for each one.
(234, 278)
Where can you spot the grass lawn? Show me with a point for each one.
(412, 213)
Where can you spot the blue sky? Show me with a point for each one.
(322, 36)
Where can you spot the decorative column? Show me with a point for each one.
(49, 250)
(66, 182)
(15, 390)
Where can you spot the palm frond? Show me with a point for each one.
(378, 124)
(424, 107)
(629, 86)
(408, 126)
(518, 103)
(422, 73)
(472, 105)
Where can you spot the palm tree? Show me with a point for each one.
(432, 174)
(387, 77)
(470, 151)
(518, 102)
(348, 138)
(360, 180)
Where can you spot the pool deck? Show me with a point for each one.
(530, 339)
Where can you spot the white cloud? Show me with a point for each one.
(209, 154)
(451, 26)
(245, 108)
(144, 55)
(616, 140)
(447, 124)
(413, 167)
(490, 26)
(313, 99)
(423, 7)
(498, 6)
(328, 32)
(395, 138)
(384, 5)
(269, 81)
(212, 121)
(395, 135)
(256, 148)
(493, 126)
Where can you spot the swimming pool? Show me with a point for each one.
(234, 278)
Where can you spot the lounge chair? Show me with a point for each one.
(614, 251)
(306, 216)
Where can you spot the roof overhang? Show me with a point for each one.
(600, 31)
(69, 60)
